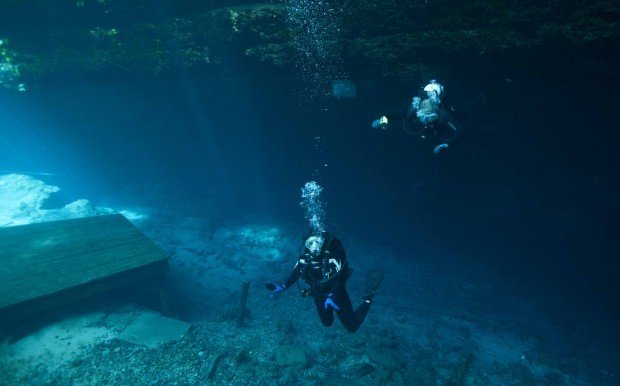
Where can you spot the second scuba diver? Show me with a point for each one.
(428, 115)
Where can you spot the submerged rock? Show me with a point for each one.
(380, 38)
(22, 198)
(384, 358)
(291, 356)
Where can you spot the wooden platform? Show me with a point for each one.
(50, 264)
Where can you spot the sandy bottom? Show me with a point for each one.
(431, 323)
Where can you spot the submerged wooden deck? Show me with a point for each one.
(49, 264)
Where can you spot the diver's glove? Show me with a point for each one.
(380, 123)
(275, 289)
(440, 148)
(329, 302)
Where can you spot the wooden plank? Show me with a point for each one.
(40, 261)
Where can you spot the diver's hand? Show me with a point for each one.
(329, 302)
(276, 290)
(380, 123)
(440, 148)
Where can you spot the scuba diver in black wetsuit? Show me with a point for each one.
(324, 268)
(429, 115)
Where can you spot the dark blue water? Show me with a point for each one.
(530, 193)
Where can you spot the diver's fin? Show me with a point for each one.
(374, 277)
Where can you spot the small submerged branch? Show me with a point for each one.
(214, 363)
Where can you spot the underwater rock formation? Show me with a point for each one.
(103, 40)
(22, 198)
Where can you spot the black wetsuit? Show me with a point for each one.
(326, 273)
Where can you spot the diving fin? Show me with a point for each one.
(374, 277)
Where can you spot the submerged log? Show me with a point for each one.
(242, 302)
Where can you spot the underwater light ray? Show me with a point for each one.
(21, 144)
(205, 142)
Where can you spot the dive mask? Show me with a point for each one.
(314, 244)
